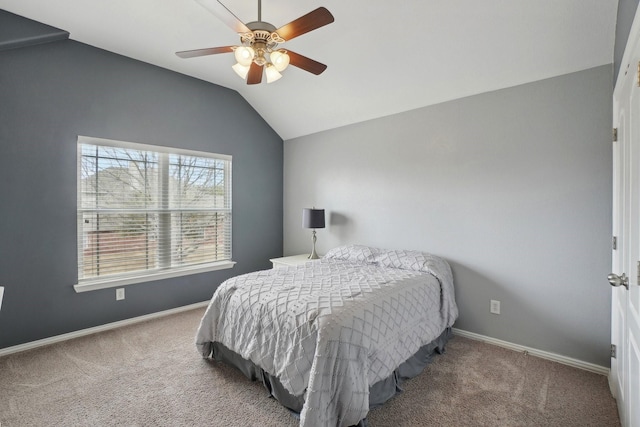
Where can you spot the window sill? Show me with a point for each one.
(113, 282)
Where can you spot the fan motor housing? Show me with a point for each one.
(261, 25)
(262, 32)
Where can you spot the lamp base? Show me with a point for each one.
(313, 254)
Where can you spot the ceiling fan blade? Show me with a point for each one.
(305, 63)
(225, 15)
(203, 52)
(255, 74)
(309, 22)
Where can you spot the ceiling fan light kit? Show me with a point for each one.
(259, 43)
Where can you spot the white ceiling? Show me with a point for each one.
(383, 57)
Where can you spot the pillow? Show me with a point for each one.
(359, 253)
(404, 259)
(417, 261)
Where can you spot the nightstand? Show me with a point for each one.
(289, 261)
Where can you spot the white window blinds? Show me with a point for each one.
(145, 209)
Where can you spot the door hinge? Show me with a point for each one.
(615, 134)
(614, 243)
(613, 351)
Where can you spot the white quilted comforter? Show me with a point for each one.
(331, 328)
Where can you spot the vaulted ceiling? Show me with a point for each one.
(383, 57)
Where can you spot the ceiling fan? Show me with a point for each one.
(259, 43)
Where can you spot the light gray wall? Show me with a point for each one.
(512, 187)
(51, 93)
(626, 12)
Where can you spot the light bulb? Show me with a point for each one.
(244, 55)
(280, 59)
(272, 73)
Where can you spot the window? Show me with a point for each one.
(147, 212)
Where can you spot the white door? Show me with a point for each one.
(625, 321)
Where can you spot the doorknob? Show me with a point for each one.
(616, 280)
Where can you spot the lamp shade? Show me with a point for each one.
(272, 73)
(244, 55)
(241, 70)
(312, 218)
(280, 59)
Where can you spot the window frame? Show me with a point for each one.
(140, 276)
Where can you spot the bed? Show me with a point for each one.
(333, 338)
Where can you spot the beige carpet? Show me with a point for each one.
(150, 374)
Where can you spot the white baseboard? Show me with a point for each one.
(591, 367)
(96, 329)
(612, 386)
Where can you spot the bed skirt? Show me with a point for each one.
(379, 392)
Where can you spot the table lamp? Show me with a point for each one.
(313, 218)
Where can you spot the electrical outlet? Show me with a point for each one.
(119, 294)
(495, 307)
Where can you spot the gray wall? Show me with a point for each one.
(512, 187)
(626, 12)
(51, 93)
